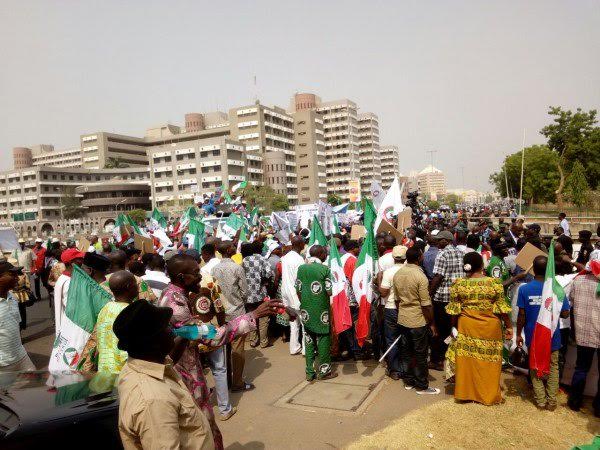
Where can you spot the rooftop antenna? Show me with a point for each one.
(255, 91)
(431, 152)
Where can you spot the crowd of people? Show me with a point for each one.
(446, 297)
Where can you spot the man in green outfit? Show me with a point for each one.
(313, 285)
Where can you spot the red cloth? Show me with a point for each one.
(349, 266)
(38, 265)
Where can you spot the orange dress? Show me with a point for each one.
(477, 351)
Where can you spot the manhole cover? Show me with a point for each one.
(350, 393)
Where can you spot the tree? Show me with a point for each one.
(451, 200)
(70, 204)
(115, 163)
(280, 203)
(265, 198)
(576, 186)
(137, 215)
(334, 200)
(569, 137)
(540, 179)
(433, 204)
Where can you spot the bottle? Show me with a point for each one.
(193, 332)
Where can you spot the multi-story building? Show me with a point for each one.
(431, 182)
(310, 149)
(390, 164)
(46, 155)
(102, 149)
(340, 126)
(267, 133)
(370, 157)
(33, 199)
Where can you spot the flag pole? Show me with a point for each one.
(522, 170)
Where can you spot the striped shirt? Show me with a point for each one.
(11, 347)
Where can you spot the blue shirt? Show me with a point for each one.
(429, 260)
(530, 299)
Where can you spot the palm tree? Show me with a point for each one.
(115, 163)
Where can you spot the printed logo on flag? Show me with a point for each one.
(388, 213)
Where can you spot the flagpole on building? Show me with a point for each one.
(522, 170)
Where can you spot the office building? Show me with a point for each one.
(369, 151)
(46, 155)
(431, 182)
(390, 165)
(268, 136)
(310, 149)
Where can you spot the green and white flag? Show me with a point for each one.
(316, 233)
(254, 217)
(120, 231)
(239, 186)
(184, 220)
(335, 226)
(196, 235)
(233, 223)
(157, 219)
(85, 299)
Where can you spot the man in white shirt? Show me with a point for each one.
(390, 314)
(155, 276)
(289, 268)
(207, 253)
(564, 223)
(69, 257)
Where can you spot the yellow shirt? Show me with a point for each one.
(157, 411)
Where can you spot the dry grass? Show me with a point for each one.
(514, 424)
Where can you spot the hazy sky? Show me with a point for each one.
(460, 77)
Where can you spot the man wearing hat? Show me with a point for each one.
(585, 237)
(156, 409)
(13, 356)
(69, 257)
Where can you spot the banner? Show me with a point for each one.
(354, 188)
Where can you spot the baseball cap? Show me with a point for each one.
(39, 240)
(5, 266)
(534, 226)
(70, 254)
(139, 321)
(21, 241)
(399, 251)
(445, 235)
(55, 240)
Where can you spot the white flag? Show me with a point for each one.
(391, 204)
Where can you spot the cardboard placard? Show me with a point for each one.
(526, 256)
(84, 244)
(386, 227)
(357, 232)
(404, 219)
(143, 243)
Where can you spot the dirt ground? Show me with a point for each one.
(395, 418)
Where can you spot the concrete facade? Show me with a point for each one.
(390, 164)
(369, 151)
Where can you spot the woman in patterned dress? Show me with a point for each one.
(478, 308)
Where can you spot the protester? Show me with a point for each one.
(477, 307)
(564, 224)
(155, 276)
(184, 272)
(290, 263)
(25, 259)
(124, 289)
(530, 300)
(586, 309)
(234, 288)
(586, 248)
(69, 258)
(258, 276)
(37, 247)
(207, 252)
(390, 314)
(565, 241)
(447, 269)
(13, 356)
(119, 261)
(430, 255)
(313, 287)
(415, 319)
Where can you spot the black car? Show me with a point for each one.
(58, 411)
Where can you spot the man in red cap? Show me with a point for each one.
(69, 257)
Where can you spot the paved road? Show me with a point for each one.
(259, 423)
